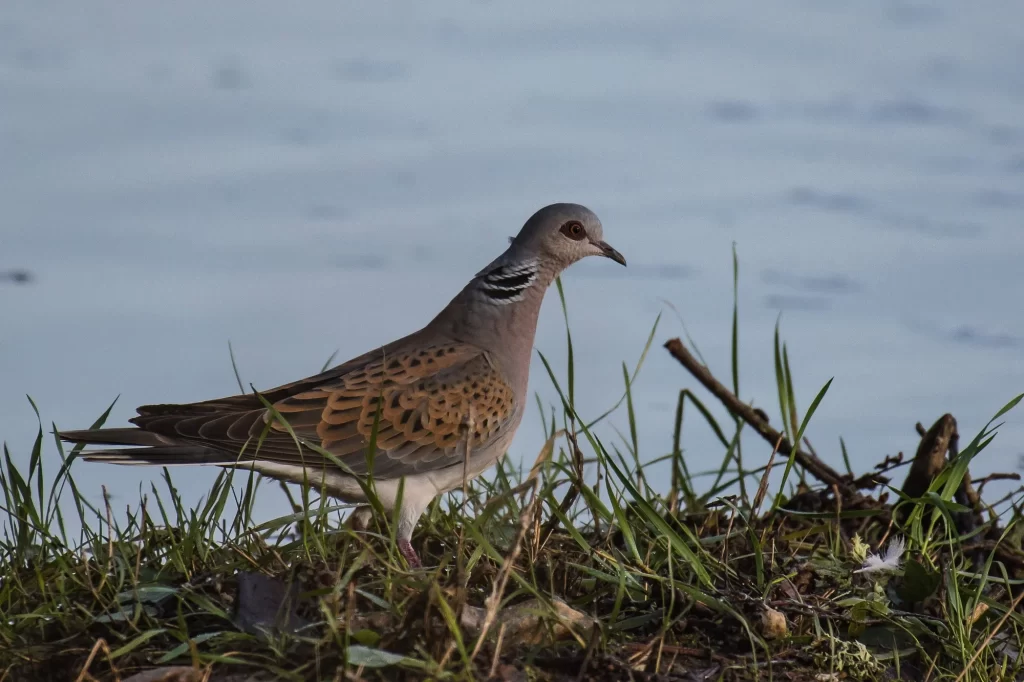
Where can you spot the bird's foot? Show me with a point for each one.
(405, 547)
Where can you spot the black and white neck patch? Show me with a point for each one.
(508, 283)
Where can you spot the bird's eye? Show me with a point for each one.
(574, 230)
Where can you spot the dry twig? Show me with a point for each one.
(823, 472)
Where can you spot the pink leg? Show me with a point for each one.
(405, 547)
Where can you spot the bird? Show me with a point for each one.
(456, 387)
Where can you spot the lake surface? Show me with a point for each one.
(300, 179)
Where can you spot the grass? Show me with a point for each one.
(578, 568)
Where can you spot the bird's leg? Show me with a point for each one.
(405, 547)
(361, 517)
(413, 499)
(360, 520)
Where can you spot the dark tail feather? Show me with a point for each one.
(152, 448)
(127, 436)
(165, 455)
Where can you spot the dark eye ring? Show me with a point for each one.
(574, 230)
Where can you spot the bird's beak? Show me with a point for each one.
(608, 252)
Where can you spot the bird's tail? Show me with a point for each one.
(149, 448)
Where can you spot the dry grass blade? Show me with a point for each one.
(762, 487)
(991, 635)
(493, 602)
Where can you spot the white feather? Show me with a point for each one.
(888, 561)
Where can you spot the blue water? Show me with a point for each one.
(320, 177)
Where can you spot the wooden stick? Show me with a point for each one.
(823, 472)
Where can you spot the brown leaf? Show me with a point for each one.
(773, 624)
(525, 622)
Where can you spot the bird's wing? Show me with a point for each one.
(423, 394)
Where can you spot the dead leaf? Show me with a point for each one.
(773, 624)
(525, 622)
(266, 604)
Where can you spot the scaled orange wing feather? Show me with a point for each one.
(423, 397)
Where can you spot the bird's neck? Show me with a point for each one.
(506, 295)
(507, 282)
(498, 309)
